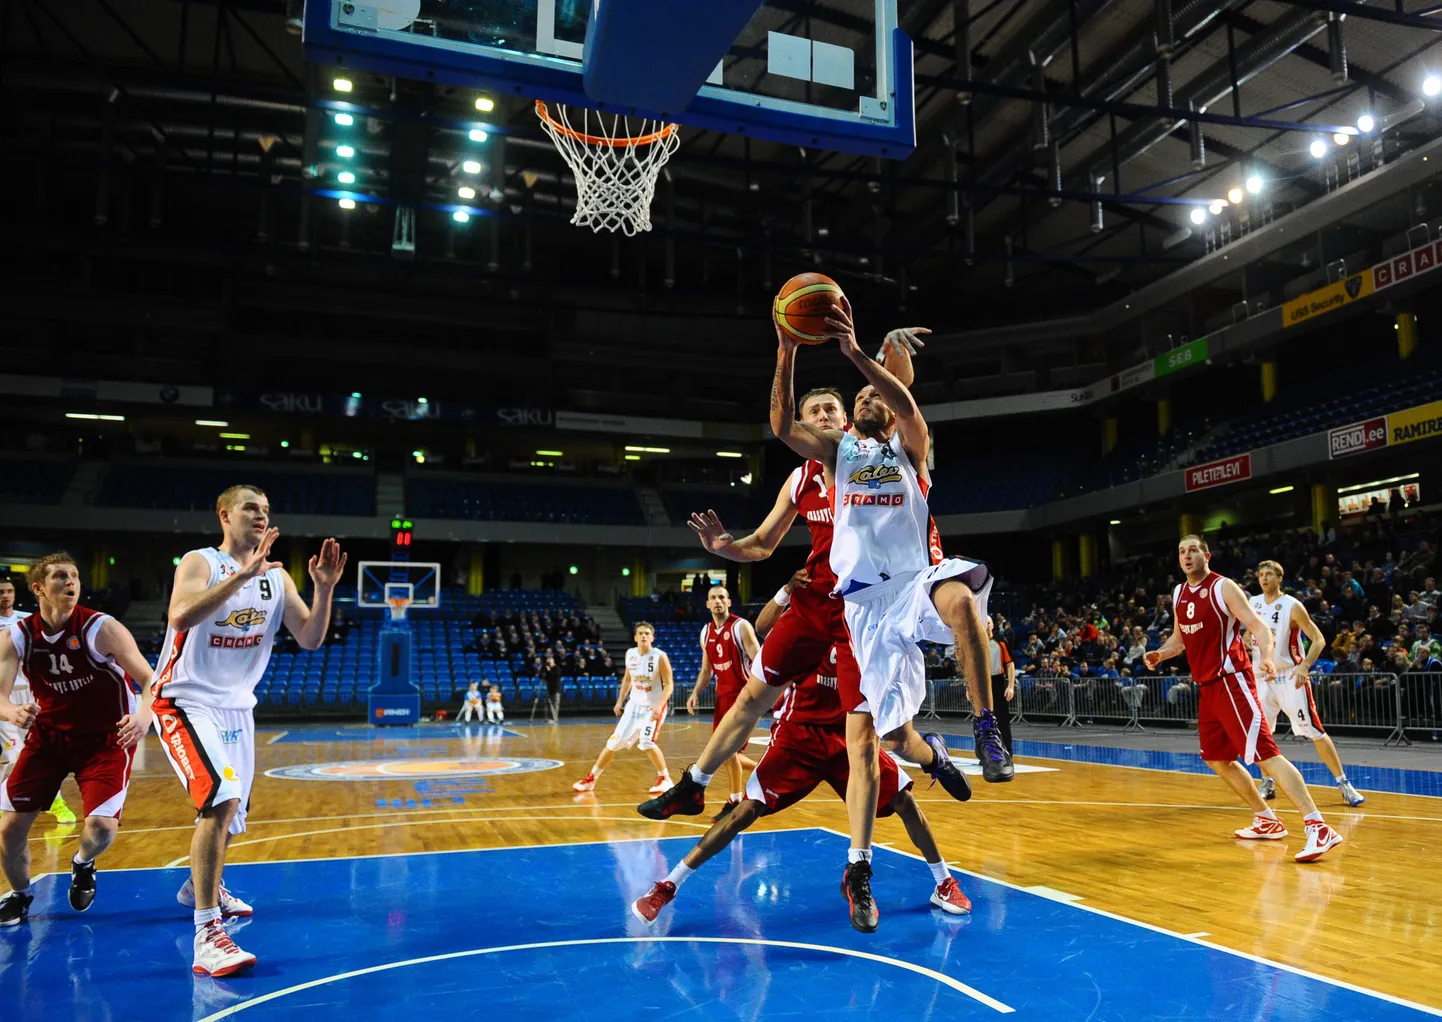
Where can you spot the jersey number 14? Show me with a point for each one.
(60, 664)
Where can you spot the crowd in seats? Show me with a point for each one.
(185, 486)
(34, 480)
(1370, 586)
(520, 501)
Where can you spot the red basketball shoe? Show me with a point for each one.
(1263, 829)
(646, 909)
(1320, 837)
(949, 897)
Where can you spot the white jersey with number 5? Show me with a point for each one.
(645, 671)
(883, 527)
(220, 660)
(1286, 639)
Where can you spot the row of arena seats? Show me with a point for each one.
(34, 480)
(480, 500)
(191, 487)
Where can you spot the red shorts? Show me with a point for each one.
(800, 644)
(101, 768)
(1230, 722)
(725, 697)
(801, 756)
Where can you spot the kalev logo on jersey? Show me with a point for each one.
(876, 476)
(1358, 437)
(244, 617)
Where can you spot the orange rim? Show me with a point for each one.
(581, 136)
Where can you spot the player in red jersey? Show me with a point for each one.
(1209, 612)
(728, 648)
(801, 641)
(84, 721)
(808, 747)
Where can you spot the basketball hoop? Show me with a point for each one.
(398, 606)
(615, 170)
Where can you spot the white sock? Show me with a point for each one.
(698, 776)
(24, 890)
(1340, 779)
(736, 797)
(1312, 818)
(1267, 814)
(206, 916)
(81, 862)
(680, 874)
(597, 771)
(858, 855)
(939, 872)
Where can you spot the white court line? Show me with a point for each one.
(1359, 813)
(420, 823)
(1189, 938)
(277, 738)
(957, 985)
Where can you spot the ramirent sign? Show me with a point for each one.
(1217, 473)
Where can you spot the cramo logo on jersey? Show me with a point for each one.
(244, 618)
(874, 476)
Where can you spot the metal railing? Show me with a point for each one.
(1346, 703)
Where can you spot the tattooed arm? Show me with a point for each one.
(803, 438)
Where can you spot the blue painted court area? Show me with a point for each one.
(1396, 780)
(546, 932)
(366, 733)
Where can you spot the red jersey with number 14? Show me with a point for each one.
(729, 661)
(1211, 634)
(76, 688)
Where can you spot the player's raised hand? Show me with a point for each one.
(840, 327)
(131, 728)
(906, 338)
(327, 567)
(22, 715)
(784, 341)
(259, 562)
(710, 531)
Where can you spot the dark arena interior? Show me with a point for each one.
(405, 399)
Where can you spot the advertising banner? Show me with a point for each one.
(1357, 438)
(1188, 355)
(1420, 423)
(1327, 299)
(1218, 473)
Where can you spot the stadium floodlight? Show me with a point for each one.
(212, 422)
(1198, 215)
(466, 192)
(471, 167)
(729, 454)
(1365, 123)
(1216, 208)
(342, 85)
(575, 570)
(551, 454)
(356, 454)
(1235, 195)
(345, 177)
(347, 203)
(95, 416)
(345, 152)
(285, 443)
(460, 216)
(1254, 184)
(422, 401)
(485, 104)
(344, 120)
(1341, 138)
(477, 135)
(1318, 149)
(1115, 521)
(1431, 85)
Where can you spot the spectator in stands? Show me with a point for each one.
(1426, 638)
(1397, 611)
(1422, 686)
(1416, 610)
(1003, 680)
(1181, 694)
(1418, 564)
(1430, 594)
(1162, 617)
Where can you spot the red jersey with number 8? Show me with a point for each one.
(1211, 634)
(76, 688)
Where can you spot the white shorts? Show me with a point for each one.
(469, 711)
(494, 712)
(1283, 696)
(886, 622)
(638, 725)
(11, 738)
(212, 751)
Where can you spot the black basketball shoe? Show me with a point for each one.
(856, 889)
(15, 908)
(684, 798)
(995, 757)
(82, 885)
(944, 771)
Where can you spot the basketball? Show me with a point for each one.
(803, 303)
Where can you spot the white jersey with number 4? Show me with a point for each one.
(645, 669)
(1286, 638)
(883, 527)
(220, 660)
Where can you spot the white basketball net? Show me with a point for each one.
(615, 168)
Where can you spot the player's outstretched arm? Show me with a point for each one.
(802, 437)
(115, 641)
(12, 713)
(910, 426)
(310, 624)
(194, 599)
(758, 546)
(1241, 609)
(897, 351)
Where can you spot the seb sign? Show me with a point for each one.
(1358, 437)
(1218, 473)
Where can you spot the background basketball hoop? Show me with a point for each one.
(615, 169)
(398, 606)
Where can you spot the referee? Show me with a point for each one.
(1003, 681)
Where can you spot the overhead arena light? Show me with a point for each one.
(650, 450)
(1281, 489)
(1254, 184)
(1115, 521)
(347, 203)
(1341, 138)
(466, 192)
(1431, 85)
(1216, 208)
(344, 120)
(95, 416)
(212, 422)
(345, 177)
(729, 454)
(342, 85)
(477, 135)
(1198, 215)
(485, 104)
(1365, 123)
(1235, 196)
(471, 167)
(460, 216)
(1318, 149)
(551, 454)
(345, 152)
(235, 436)
(633, 457)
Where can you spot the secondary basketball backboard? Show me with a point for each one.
(818, 75)
(381, 583)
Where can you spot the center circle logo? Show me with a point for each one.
(411, 769)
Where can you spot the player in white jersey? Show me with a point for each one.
(471, 705)
(641, 704)
(1290, 691)
(226, 608)
(12, 737)
(898, 588)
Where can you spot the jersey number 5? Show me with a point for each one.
(265, 592)
(60, 664)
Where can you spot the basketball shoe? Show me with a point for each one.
(663, 782)
(647, 908)
(995, 757)
(230, 905)
(684, 798)
(62, 812)
(943, 770)
(15, 908)
(1320, 837)
(587, 783)
(856, 889)
(82, 885)
(1350, 795)
(1268, 789)
(950, 898)
(216, 954)
(725, 811)
(1263, 829)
